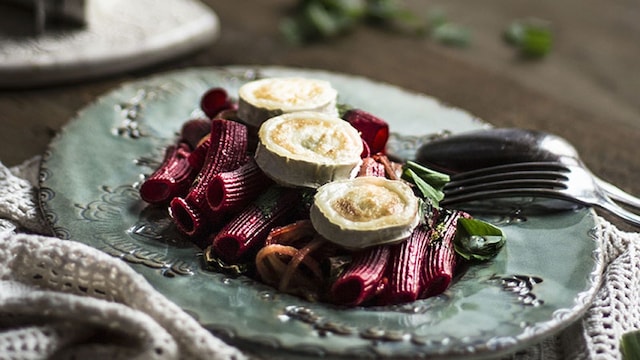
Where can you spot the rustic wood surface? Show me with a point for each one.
(586, 90)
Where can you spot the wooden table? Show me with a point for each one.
(584, 91)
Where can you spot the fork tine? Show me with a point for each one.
(514, 167)
(503, 193)
(544, 179)
(571, 183)
(523, 183)
(530, 176)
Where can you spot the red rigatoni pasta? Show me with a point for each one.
(247, 231)
(361, 280)
(440, 261)
(406, 266)
(172, 178)
(227, 151)
(373, 130)
(230, 191)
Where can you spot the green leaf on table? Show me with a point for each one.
(321, 19)
(389, 14)
(324, 22)
(352, 9)
(532, 37)
(315, 20)
(446, 32)
(478, 240)
(382, 10)
(452, 34)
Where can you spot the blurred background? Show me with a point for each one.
(584, 87)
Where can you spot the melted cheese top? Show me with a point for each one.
(368, 203)
(288, 94)
(312, 136)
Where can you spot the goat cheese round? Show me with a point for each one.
(308, 149)
(365, 211)
(262, 99)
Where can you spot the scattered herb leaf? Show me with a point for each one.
(435, 178)
(427, 181)
(478, 240)
(446, 32)
(427, 191)
(316, 20)
(532, 37)
(452, 34)
(313, 20)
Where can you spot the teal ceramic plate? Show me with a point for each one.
(541, 281)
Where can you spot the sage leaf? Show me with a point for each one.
(478, 240)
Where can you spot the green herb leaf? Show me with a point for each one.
(429, 182)
(322, 20)
(427, 191)
(533, 37)
(478, 240)
(382, 10)
(537, 42)
(436, 179)
(353, 9)
(630, 345)
(313, 20)
(514, 34)
(446, 32)
(451, 34)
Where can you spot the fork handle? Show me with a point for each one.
(618, 194)
(610, 206)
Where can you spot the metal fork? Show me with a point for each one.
(538, 179)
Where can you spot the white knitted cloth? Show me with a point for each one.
(62, 299)
(65, 300)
